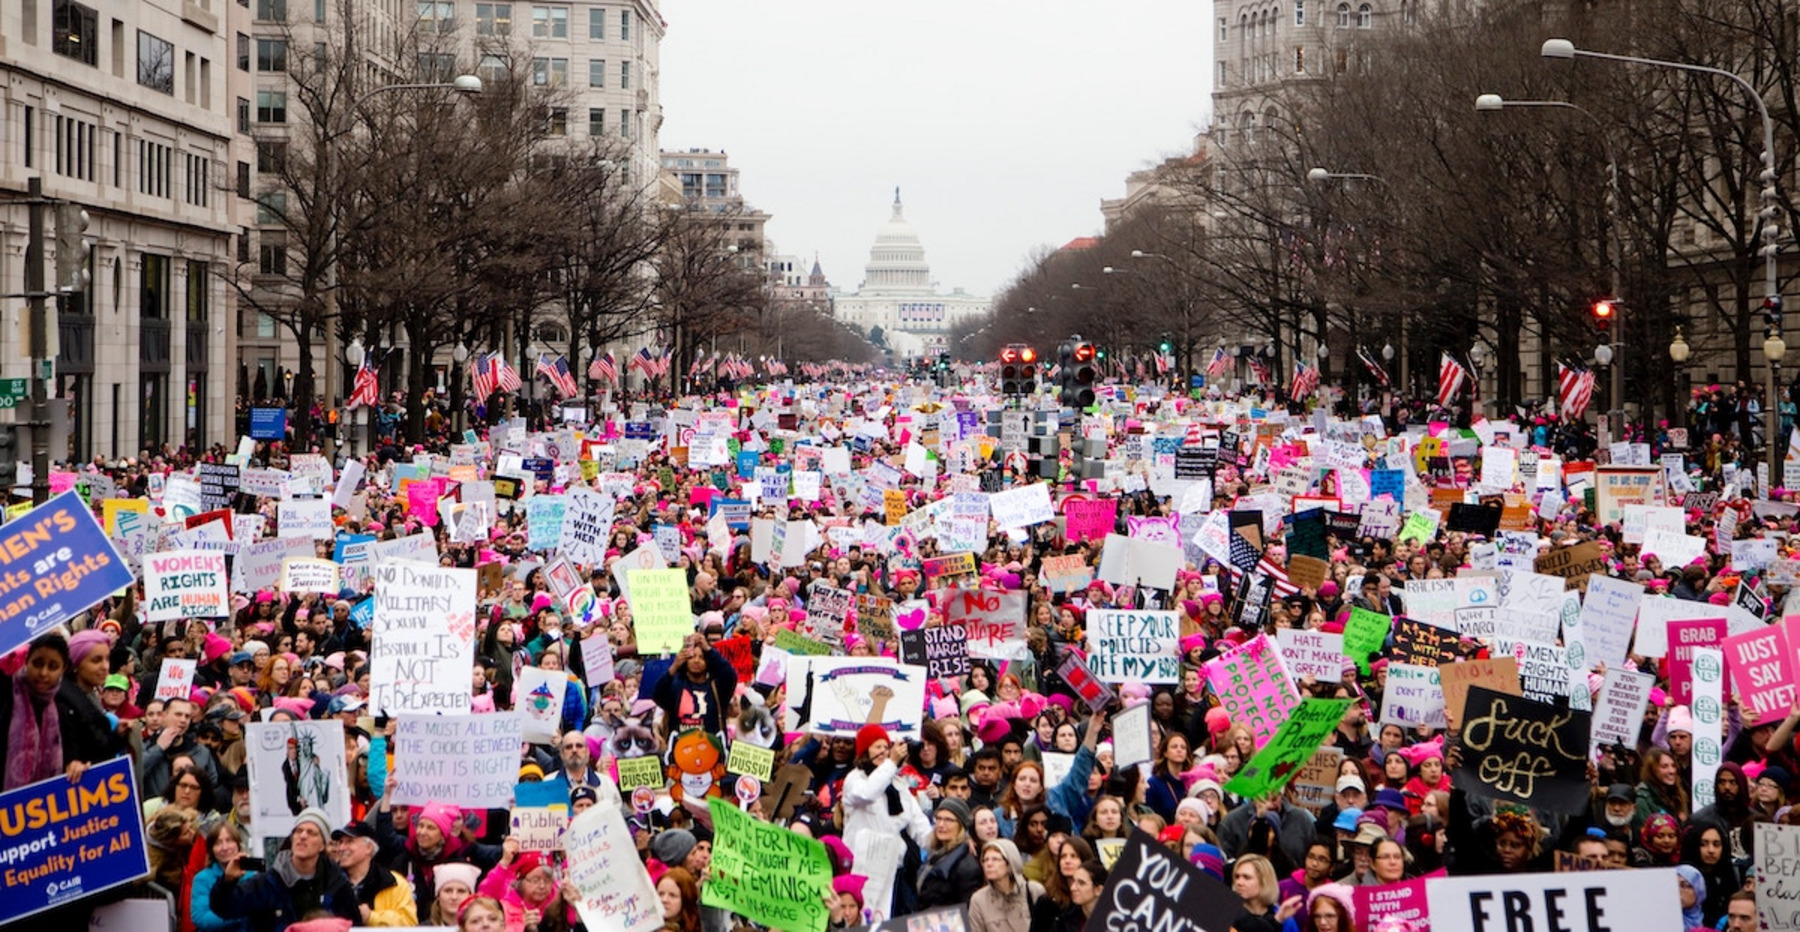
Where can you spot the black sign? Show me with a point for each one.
(1157, 889)
(1306, 537)
(1473, 519)
(218, 485)
(1750, 599)
(541, 467)
(990, 480)
(1343, 525)
(1253, 594)
(1196, 463)
(944, 650)
(1525, 751)
(1423, 644)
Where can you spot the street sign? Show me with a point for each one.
(12, 393)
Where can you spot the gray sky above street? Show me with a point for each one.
(1003, 122)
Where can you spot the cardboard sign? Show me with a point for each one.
(994, 620)
(309, 575)
(1413, 697)
(1316, 784)
(1524, 751)
(1619, 711)
(459, 760)
(1638, 900)
(1778, 875)
(72, 841)
(941, 649)
(1161, 890)
(615, 889)
(1573, 564)
(1280, 760)
(1066, 574)
(1500, 674)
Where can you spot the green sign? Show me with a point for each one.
(12, 392)
(660, 610)
(795, 643)
(1290, 749)
(1364, 634)
(766, 873)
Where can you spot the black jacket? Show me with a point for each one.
(949, 878)
(276, 898)
(85, 735)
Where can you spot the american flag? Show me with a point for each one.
(604, 367)
(1164, 362)
(557, 371)
(1219, 363)
(505, 376)
(1279, 583)
(484, 376)
(1451, 376)
(367, 388)
(662, 364)
(1306, 378)
(1575, 389)
(643, 362)
(703, 365)
(1260, 372)
(1369, 363)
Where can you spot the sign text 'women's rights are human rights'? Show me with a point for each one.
(55, 562)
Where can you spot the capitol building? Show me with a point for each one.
(898, 295)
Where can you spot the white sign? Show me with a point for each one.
(538, 700)
(849, 692)
(1022, 507)
(1608, 614)
(1638, 900)
(1131, 736)
(1317, 654)
(1619, 714)
(305, 517)
(186, 584)
(1134, 646)
(294, 765)
(586, 527)
(1414, 696)
(467, 761)
(177, 679)
(309, 575)
(422, 639)
(1709, 728)
(604, 867)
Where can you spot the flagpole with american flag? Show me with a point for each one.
(366, 390)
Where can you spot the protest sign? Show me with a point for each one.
(949, 565)
(1158, 889)
(1066, 574)
(1709, 723)
(1075, 674)
(1524, 751)
(660, 609)
(827, 611)
(1317, 654)
(1423, 644)
(1544, 672)
(1134, 646)
(304, 517)
(1414, 696)
(616, 894)
(185, 584)
(258, 564)
(1500, 674)
(1022, 506)
(458, 760)
(1090, 519)
(941, 649)
(294, 765)
(1684, 637)
(1639, 900)
(544, 521)
(842, 694)
(1364, 633)
(1139, 561)
(309, 575)
(766, 873)
(538, 699)
(586, 524)
(875, 618)
(635, 772)
(1131, 736)
(1778, 876)
(1619, 712)
(422, 643)
(1403, 901)
(176, 681)
(1761, 670)
(1608, 614)
(1279, 760)
(1253, 686)
(1573, 564)
(751, 761)
(1316, 783)
(995, 621)
(62, 552)
(67, 841)
(540, 814)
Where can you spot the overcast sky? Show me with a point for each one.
(1004, 122)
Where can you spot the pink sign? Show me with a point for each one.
(1684, 636)
(1404, 901)
(1761, 671)
(1090, 520)
(421, 500)
(1253, 685)
(995, 620)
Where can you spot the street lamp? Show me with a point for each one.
(1679, 351)
(354, 354)
(1563, 49)
(1774, 349)
(1615, 255)
(1322, 175)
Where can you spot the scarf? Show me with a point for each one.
(1693, 916)
(33, 737)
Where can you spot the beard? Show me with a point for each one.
(1618, 821)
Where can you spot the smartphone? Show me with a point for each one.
(472, 822)
(252, 865)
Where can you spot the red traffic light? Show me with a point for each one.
(1603, 310)
(1028, 354)
(1009, 354)
(1084, 352)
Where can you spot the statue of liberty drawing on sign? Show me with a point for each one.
(302, 775)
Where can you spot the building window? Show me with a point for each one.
(1342, 56)
(270, 208)
(243, 179)
(596, 121)
(155, 162)
(437, 67)
(596, 72)
(1224, 28)
(438, 16)
(1343, 17)
(30, 136)
(271, 106)
(1409, 13)
(596, 23)
(271, 54)
(243, 245)
(271, 156)
(625, 124)
(493, 19)
(492, 69)
(558, 123)
(549, 22)
(550, 72)
(198, 276)
(76, 143)
(1299, 12)
(198, 171)
(243, 112)
(624, 25)
(153, 298)
(1365, 17)
(76, 31)
(625, 75)
(275, 11)
(271, 252)
(156, 63)
(1299, 59)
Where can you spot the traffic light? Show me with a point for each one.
(9, 461)
(1603, 313)
(71, 249)
(1079, 373)
(1018, 370)
(1028, 371)
(1772, 313)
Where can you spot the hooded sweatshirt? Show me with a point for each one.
(993, 911)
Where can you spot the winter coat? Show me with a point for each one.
(200, 905)
(992, 911)
(949, 878)
(866, 808)
(266, 900)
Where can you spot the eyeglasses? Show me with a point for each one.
(188, 785)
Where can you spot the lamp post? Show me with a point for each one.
(1774, 348)
(1678, 354)
(459, 355)
(354, 355)
(1563, 49)
(1603, 355)
(1615, 253)
(1478, 359)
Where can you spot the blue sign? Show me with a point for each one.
(61, 842)
(736, 511)
(351, 548)
(542, 468)
(362, 613)
(268, 423)
(55, 563)
(746, 463)
(640, 430)
(1196, 381)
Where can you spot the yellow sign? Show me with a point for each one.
(895, 500)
